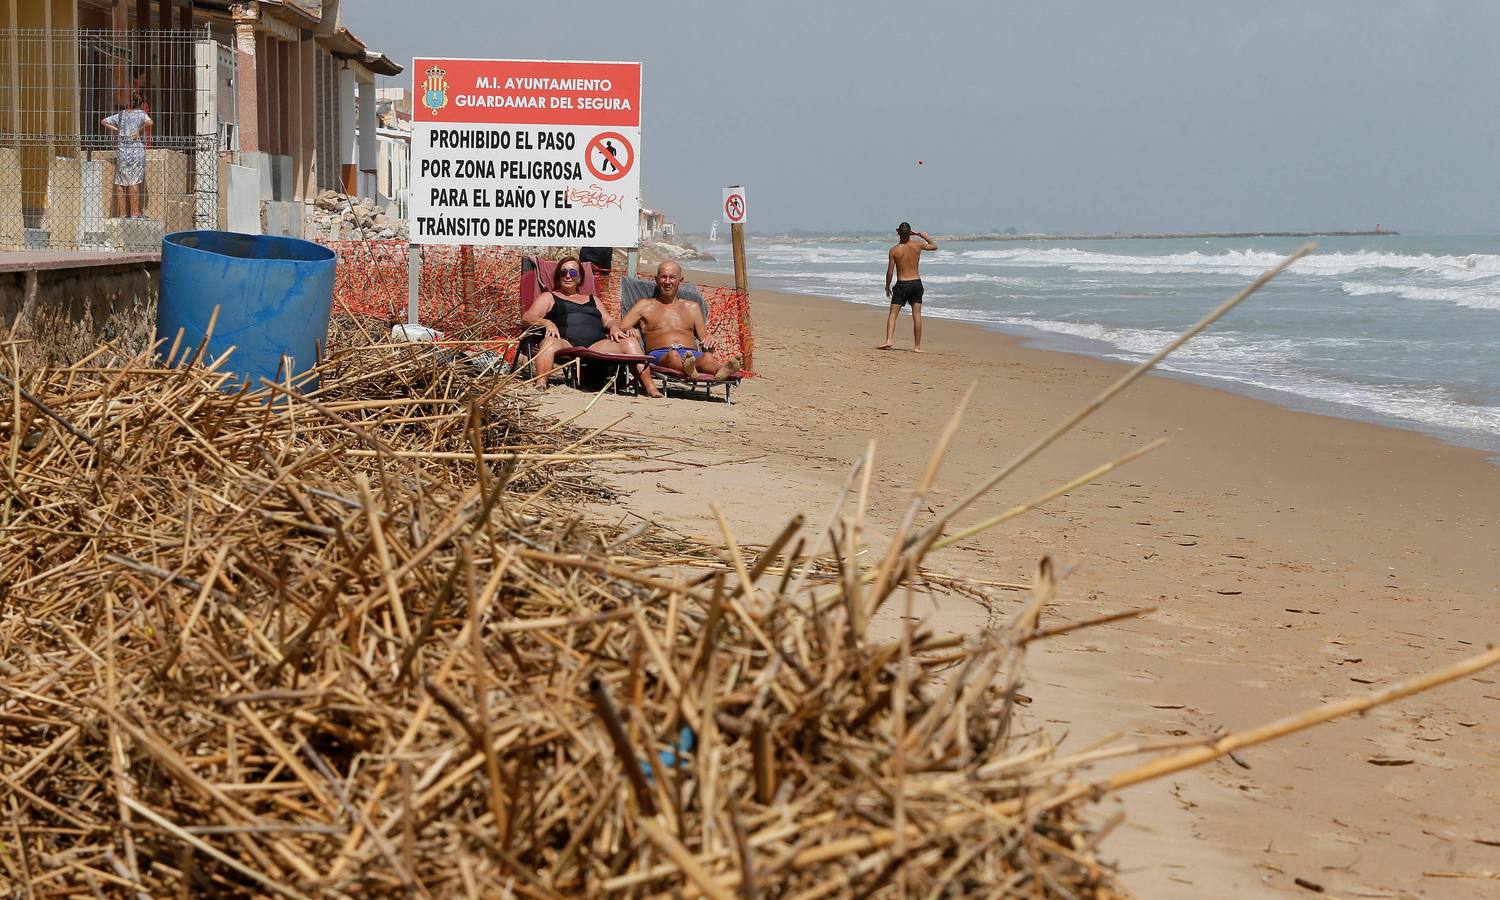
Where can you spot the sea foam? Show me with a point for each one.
(1483, 296)
(1242, 262)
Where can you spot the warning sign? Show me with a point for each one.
(734, 205)
(610, 156)
(518, 152)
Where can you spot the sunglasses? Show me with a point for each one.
(570, 273)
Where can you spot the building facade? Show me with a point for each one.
(255, 108)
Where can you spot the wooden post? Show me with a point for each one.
(741, 280)
(742, 284)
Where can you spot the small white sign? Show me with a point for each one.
(735, 208)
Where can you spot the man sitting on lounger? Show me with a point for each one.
(676, 336)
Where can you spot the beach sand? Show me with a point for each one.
(1294, 558)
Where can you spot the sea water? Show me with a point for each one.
(1400, 330)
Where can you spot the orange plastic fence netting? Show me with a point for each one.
(729, 322)
(466, 292)
(473, 293)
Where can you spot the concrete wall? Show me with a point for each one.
(283, 218)
(166, 194)
(274, 177)
(275, 173)
(77, 197)
(240, 192)
(62, 314)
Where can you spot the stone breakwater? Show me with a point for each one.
(664, 250)
(862, 237)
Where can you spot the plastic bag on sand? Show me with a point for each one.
(485, 362)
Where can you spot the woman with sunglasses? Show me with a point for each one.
(570, 318)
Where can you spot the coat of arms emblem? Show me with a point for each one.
(435, 89)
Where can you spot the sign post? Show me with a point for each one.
(736, 209)
(413, 282)
(511, 152)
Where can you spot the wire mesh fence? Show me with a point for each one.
(108, 139)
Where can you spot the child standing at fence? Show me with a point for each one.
(130, 124)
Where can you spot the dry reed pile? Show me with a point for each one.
(357, 641)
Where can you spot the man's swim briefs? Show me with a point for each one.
(656, 355)
(905, 292)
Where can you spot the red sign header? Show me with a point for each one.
(526, 92)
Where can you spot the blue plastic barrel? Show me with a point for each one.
(274, 295)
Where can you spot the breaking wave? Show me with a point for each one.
(1242, 262)
(1475, 297)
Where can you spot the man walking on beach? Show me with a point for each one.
(904, 261)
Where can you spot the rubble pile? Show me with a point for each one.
(340, 217)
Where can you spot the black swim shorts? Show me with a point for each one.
(905, 292)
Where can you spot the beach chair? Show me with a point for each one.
(536, 279)
(634, 289)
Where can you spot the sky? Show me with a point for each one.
(1066, 115)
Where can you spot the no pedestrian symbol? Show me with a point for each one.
(734, 208)
(609, 156)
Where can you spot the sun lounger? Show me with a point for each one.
(536, 279)
(634, 289)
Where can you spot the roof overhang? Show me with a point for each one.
(305, 13)
(381, 64)
(343, 44)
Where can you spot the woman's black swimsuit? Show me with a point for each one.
(580, 324)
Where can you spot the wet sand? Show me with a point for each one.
(1294, 558)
